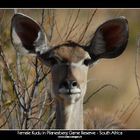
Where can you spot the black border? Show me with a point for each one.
(70, 4)
(98, 133)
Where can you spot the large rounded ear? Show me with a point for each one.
(110, 39)
(27, 35)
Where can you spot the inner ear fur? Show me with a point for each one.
(28, 35)
(110, 39)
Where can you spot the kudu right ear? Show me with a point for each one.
(110, 39)
(27, 35)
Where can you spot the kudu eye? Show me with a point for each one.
(87, 62)
(53, 60)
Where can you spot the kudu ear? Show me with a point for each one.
(27, 35)
(110, 39)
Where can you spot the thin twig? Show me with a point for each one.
(8, 117)
(94, 93)
(2, 20)
(43, 105)
(68, 23)
(130, 115)
(10, 74)
(50, 120)
(28, 104)
(71, 29)
(51, 20)
(87, 25)
(136, 63)
(1, 86)
(128, 107)
(39, 119)
(43, 77)
(58, 31)
(43, 16)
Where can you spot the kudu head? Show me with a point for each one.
(70, 61)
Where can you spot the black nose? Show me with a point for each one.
(69, 84)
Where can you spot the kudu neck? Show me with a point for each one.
(69, 116)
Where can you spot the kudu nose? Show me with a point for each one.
(69, 87)
(69, 84)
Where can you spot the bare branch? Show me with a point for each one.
(2, 18)
(68, 23)
(43, 16)
(1, 87)
(94, 93)
(51, 20)
(136, 63)
(58, 31)
(132, 112)
(71, 29)
(50, 120)
(128, 107)
(87, 25)
(10, 74)
(28, 104)
(43, 77)
(8, 117)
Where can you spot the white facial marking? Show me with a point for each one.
(72, 91)
(78, 64)
(41, 45)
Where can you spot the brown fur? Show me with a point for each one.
(70, 54)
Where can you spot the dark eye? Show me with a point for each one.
(87, 62)
(53, 60)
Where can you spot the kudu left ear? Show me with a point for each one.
(110, 39)
(27, 35)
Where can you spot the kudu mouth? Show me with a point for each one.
(70, 91)
(69, 87)
(70, 95)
